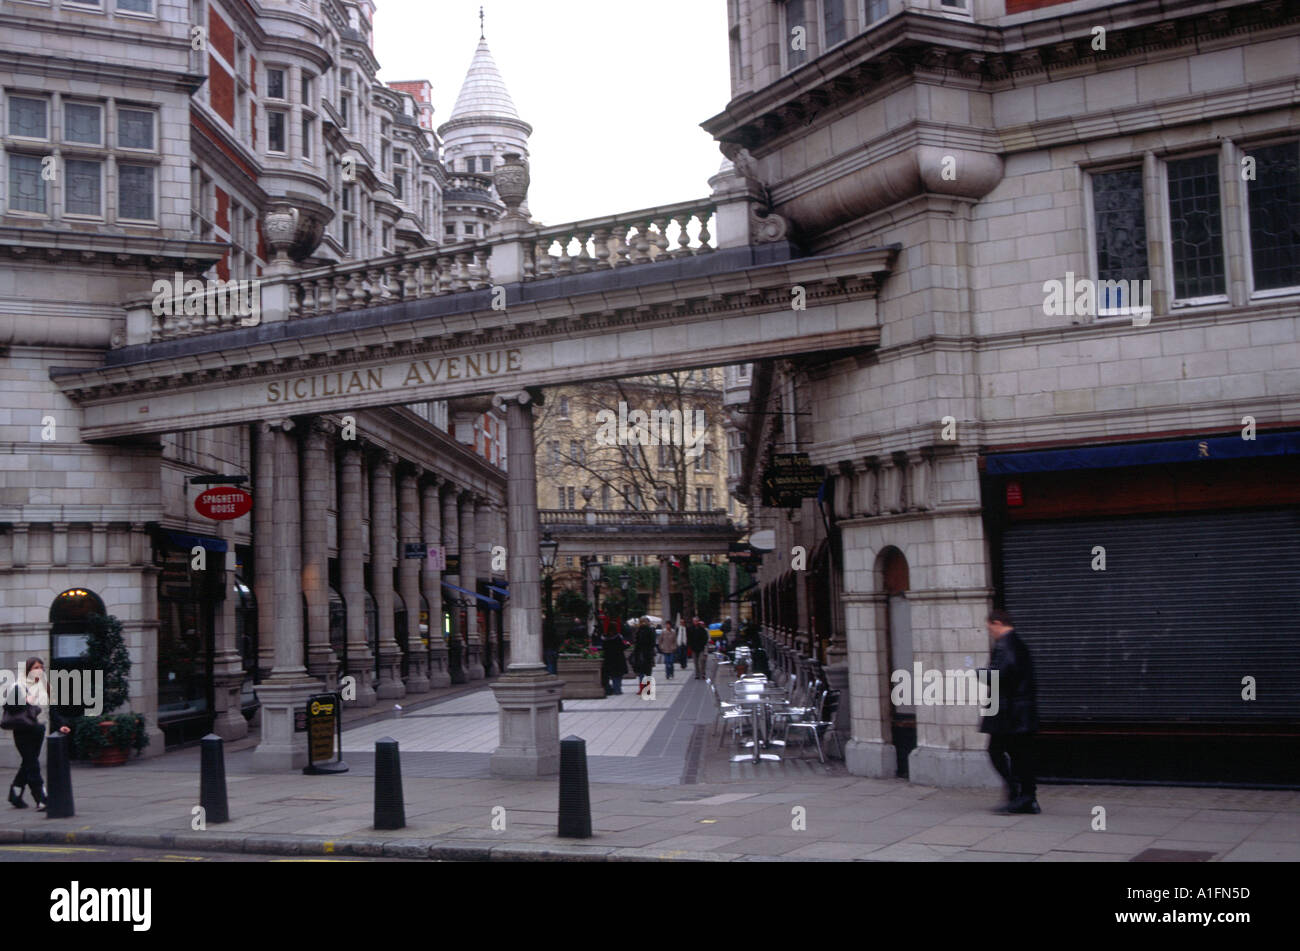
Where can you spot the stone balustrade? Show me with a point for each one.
(642, 237)
(577, 517)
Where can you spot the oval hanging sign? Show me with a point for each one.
(222, 503)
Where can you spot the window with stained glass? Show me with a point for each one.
(1196, 227)
(1274, 200)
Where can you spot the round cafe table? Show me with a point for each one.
(756, 696)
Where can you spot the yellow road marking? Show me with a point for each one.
(316, 860)
(62, 849)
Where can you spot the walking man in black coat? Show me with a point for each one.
(1011, 730)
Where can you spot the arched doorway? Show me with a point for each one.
(898, 620)
(71, 616)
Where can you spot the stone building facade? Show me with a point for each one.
(1000, 441)
(203, 140)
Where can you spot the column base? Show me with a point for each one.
(438, 675)
(474, 665)
(390, 685)
(530, 725)
(868, 758)
(281, 748)
(362, 666)
(417, 681)
(928, 766)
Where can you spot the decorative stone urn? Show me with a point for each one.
(512, 180)
(581, 676)
(293, 227)
(279, 229)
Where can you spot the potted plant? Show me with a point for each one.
(105, 738)
(580, 668)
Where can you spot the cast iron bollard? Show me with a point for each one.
(212, 779)
(575, 796)
(59, 795)
(390, 809)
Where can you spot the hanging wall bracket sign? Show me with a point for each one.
(223, 503)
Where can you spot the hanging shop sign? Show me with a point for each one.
(789, 479)
(437, 555)
(223, 503)
(415, 551)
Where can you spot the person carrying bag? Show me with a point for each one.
(26, 714)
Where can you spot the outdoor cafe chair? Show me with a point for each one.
(823, 721)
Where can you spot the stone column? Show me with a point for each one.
(527, 694)
(431, 579)
(665, 595)
(503, 532)
(469, 581)
(451, 540)
(487, 537)
(286, 690)
(316, 460)
(382, 548)
(360, 662)
(408, 528)
(227, 665)
(264, 549)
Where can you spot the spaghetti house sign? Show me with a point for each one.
(223, 504)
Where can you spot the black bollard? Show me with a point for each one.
(212, 779)
(390, 809)
(575, 796)
(59, 795)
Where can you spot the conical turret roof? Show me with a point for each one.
(484, 92)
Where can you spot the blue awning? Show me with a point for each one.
(187, 542)
(487, 601)
(501, 591)
(1144, 454)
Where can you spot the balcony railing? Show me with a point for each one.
(628, 240)
(632, 518)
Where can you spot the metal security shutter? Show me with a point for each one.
(1188, 605)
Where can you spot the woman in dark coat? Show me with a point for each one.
(643, 654)
(614, 664)
(28, 738)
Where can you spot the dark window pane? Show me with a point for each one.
(81, 123)
(1196, 227)
(1121, 227)
(275, 131)
(135, 192)
(1275, 216)
(796, 43)
(134, 129)
(83, 187)
(834, 10)
(27, 118)
(26, 187)
(275, 83)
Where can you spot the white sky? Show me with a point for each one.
(615, 90)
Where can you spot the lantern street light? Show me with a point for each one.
(594, 573)
(548, 546)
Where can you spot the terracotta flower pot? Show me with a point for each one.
(108, 755)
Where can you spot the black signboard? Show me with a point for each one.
(453, 565)
(324, 723)
(790, 478)
(416, 550)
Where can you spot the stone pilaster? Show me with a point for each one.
(665, 594)
(528, 695)
(431, 580)
(322, 664)
(227, 665)
(408, 573)
(382, 550)
(360, 662)
(264, 548)
(487, 537)
(451, 540)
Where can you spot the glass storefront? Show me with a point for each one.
(70, 617)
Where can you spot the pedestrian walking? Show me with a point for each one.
(614, 664)
(643, 652)
(697, 639)
(27, 713)
(668, 646)
(681, 642)
(1011, 730)
(726, 634)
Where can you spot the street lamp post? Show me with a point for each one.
(594, 575)
(548, 546)
(624, 580)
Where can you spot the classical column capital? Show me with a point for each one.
(384, 459)
(319, 432)
(277, 425)
(410, 470)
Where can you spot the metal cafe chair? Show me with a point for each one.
(726, 712)
(823, 721)
(802, 703)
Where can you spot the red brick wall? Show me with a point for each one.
(223, 210)
(221, 91)
(1020, 6)
(223, 267)
(221, 36)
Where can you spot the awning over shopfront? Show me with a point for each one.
(1144, 454)
(488, 602)
(187, 542)
(505, 593)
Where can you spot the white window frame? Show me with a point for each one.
(49, 110)
(1252, 293)
(153, 133)
(1166, 232)
(153, 167)
(103, 172)
(1090, 213)
(285, 114)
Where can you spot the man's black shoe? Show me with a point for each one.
(1024, 807)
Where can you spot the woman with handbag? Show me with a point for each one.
(28, 721)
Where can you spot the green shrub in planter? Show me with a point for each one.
(106, 651)
(127, 732)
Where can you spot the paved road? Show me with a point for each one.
(84, 853)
